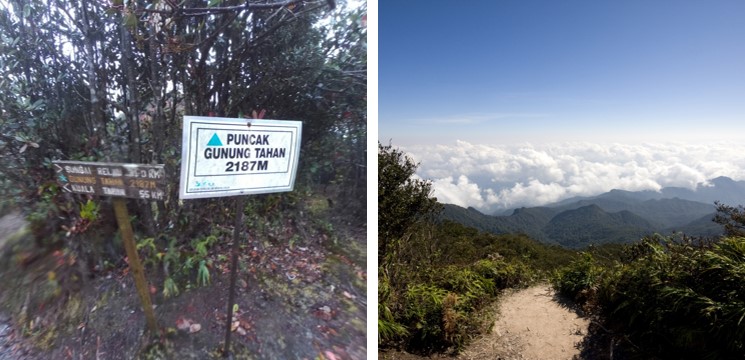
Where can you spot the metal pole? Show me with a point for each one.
(233, 272)
(135, 266)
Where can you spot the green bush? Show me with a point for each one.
(444, 310)
(473, 288)
(389, 330)
(439, 319)
(578, 280)
(504, 274)
(423, 315)
(679, 300)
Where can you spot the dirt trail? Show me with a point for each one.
(531, 324)
(11, 347)
(9, 225)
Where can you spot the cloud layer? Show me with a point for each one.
(494, 177)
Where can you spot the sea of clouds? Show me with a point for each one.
(496, 177)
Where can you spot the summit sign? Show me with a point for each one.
(227, 157)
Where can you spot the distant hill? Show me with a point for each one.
(704, 226)
(592, 225)
(617, 216)
(722, 189)
(662, 213)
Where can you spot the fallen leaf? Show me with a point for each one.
(242, 283)
(153, 290)
(194, 328)
(324, 313)
(241, 331)
(183, 324)
(348, 295)
(234, 326)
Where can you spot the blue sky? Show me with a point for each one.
(551, 71)
(522, 103)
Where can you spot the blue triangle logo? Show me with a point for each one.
(214, 141)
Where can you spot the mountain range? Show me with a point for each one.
(617, 216)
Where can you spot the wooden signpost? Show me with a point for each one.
(230, 157)
(137, 181)
(119, 180)
(220, 157)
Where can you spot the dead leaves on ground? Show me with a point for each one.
(187, 325)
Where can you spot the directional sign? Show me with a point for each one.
(119, 180)
(137, 181)
(227, 157)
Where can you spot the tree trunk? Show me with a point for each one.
(97, 126)
(132, 103)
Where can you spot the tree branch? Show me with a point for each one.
(220, 10)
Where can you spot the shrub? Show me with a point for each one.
(578, 280)
(679, 300)
(424, 314)
(504, 274)
(473, 288)
(389, 330)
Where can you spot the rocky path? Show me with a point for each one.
(531, 324)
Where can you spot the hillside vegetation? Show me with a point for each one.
(436, 278)
(614, 217)
(659, 296)
(668, 298)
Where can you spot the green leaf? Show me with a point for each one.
(37, 104)
(203, 274)
(130, 21)
(214, 3)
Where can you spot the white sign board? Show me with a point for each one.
(227, 157)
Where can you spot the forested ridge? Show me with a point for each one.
(614, 217)
(110, 81)
(661, 296)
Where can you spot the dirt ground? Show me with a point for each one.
(303, 300)
(531, 324)
(12, 344)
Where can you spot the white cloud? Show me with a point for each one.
(493, 177)
(461, 192)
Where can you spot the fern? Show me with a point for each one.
(203, 274)
(89, 211)
(170, 288)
